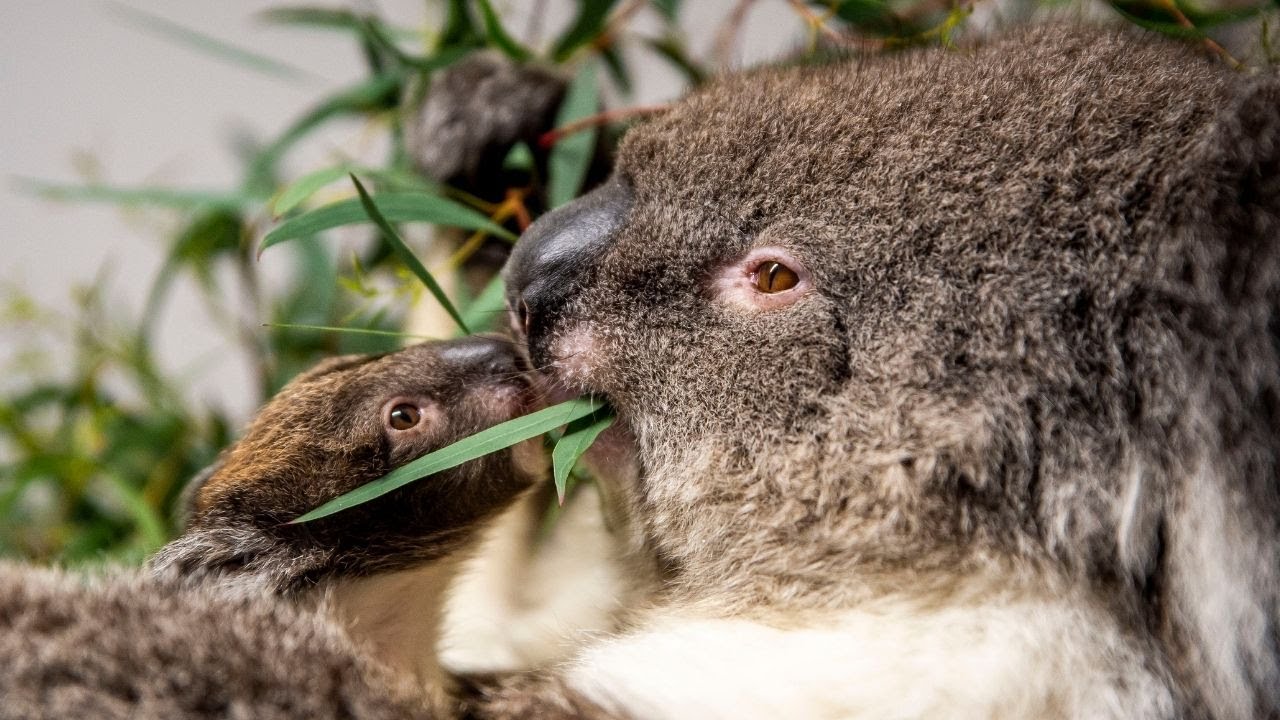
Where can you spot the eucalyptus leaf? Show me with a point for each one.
(670, 9)
(395, 207)
(161, 197)
(484, 312)
(208, 44)
(332, 19)
(571, 157)
(406, 255)
(304, 187)
(570, 447)
(498, 437)
(350, 330)
(586, 27)
(499, 36)
(379, 92)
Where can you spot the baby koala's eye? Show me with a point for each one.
(774, 277)
(404, 416)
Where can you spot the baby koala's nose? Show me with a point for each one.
(486, 355)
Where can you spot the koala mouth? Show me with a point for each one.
(613, 455)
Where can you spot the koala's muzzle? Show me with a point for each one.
(548, 265)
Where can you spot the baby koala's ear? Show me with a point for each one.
(185, 508)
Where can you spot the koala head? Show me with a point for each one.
(924, 311)
(345, 423)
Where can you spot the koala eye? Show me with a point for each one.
(404, 416)
(774, 277)
(768, 278)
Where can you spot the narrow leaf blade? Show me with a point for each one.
(571, 156)
(395, 207)
(498, 35)
(572, 445)
(161, 197)
(406, 255)
(586, 27)
(484, 311)
(177, 32)
(498, 437)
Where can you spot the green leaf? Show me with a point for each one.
(447, 56)
(163, 197)
(396, 207)
(498, 35)
(206, 43)
(406, 255)
(670, 9)
(874, 16)
(350, 330)
(672, 49)
(459, 29)
(440, 60)
(520, 157)
(307, 185)
(332, 19)
(377, 93)
(484, 312)
(571, 157)
(586, 27)
(498, 437)
(1156, 16)
(575, 441)
(617, 67)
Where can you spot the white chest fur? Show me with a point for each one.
(1008, 659)
(397, 616)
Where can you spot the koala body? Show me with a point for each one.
(246, 615)
(952, 380)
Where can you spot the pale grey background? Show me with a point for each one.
(85, 95)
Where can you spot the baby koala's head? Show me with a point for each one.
(344, 423)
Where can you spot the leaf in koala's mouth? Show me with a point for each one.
(577, 438)
(498, 437)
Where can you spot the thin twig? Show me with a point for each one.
(614, 25)
(728, 32)
(818, 22)
(551, 137)
(1185, 22)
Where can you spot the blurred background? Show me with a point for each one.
(151, 149)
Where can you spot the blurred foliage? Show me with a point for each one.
(97, 453)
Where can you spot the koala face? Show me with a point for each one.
(348, 422)
(898, 312)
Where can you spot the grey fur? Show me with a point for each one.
(123, 647)
(476, 110)
(1043, 348)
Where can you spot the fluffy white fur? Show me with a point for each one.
(1006, 658)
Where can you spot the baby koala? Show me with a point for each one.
(375, 573)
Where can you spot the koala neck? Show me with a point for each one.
(397, 615)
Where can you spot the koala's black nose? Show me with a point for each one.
(485, 355)
(553, 256)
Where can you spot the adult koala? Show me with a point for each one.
(954, 381)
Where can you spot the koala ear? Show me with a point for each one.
(185, 508)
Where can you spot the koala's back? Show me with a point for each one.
(125, 646)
